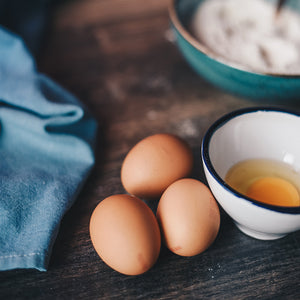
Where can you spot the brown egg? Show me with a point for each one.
(154, 163)
(188, 216)
(125, 234)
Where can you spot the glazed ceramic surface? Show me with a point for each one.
(233, 78)
(266, 133)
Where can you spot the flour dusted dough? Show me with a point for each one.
(248, 33)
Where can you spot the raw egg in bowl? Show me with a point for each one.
(251, 159)
(243, 47)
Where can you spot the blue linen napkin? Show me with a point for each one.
(46, 153)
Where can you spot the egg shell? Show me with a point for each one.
(188, 216)
(125, 234)
(154, 163)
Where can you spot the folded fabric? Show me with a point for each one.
(46, 153)
(29, 19)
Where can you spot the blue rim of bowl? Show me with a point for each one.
(184, 32)
(205, 156)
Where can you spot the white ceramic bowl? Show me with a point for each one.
(268, 133)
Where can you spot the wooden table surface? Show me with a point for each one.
(119, 58)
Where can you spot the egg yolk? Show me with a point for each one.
(275, 191)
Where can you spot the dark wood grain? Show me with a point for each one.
(118, 57)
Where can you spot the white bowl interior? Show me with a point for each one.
(258, 134)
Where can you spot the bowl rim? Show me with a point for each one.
(175, 21)
(206, 158)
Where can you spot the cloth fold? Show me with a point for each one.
(47, 140)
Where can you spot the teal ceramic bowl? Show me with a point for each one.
(237, 80)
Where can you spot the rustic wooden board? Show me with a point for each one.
(119, 58)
